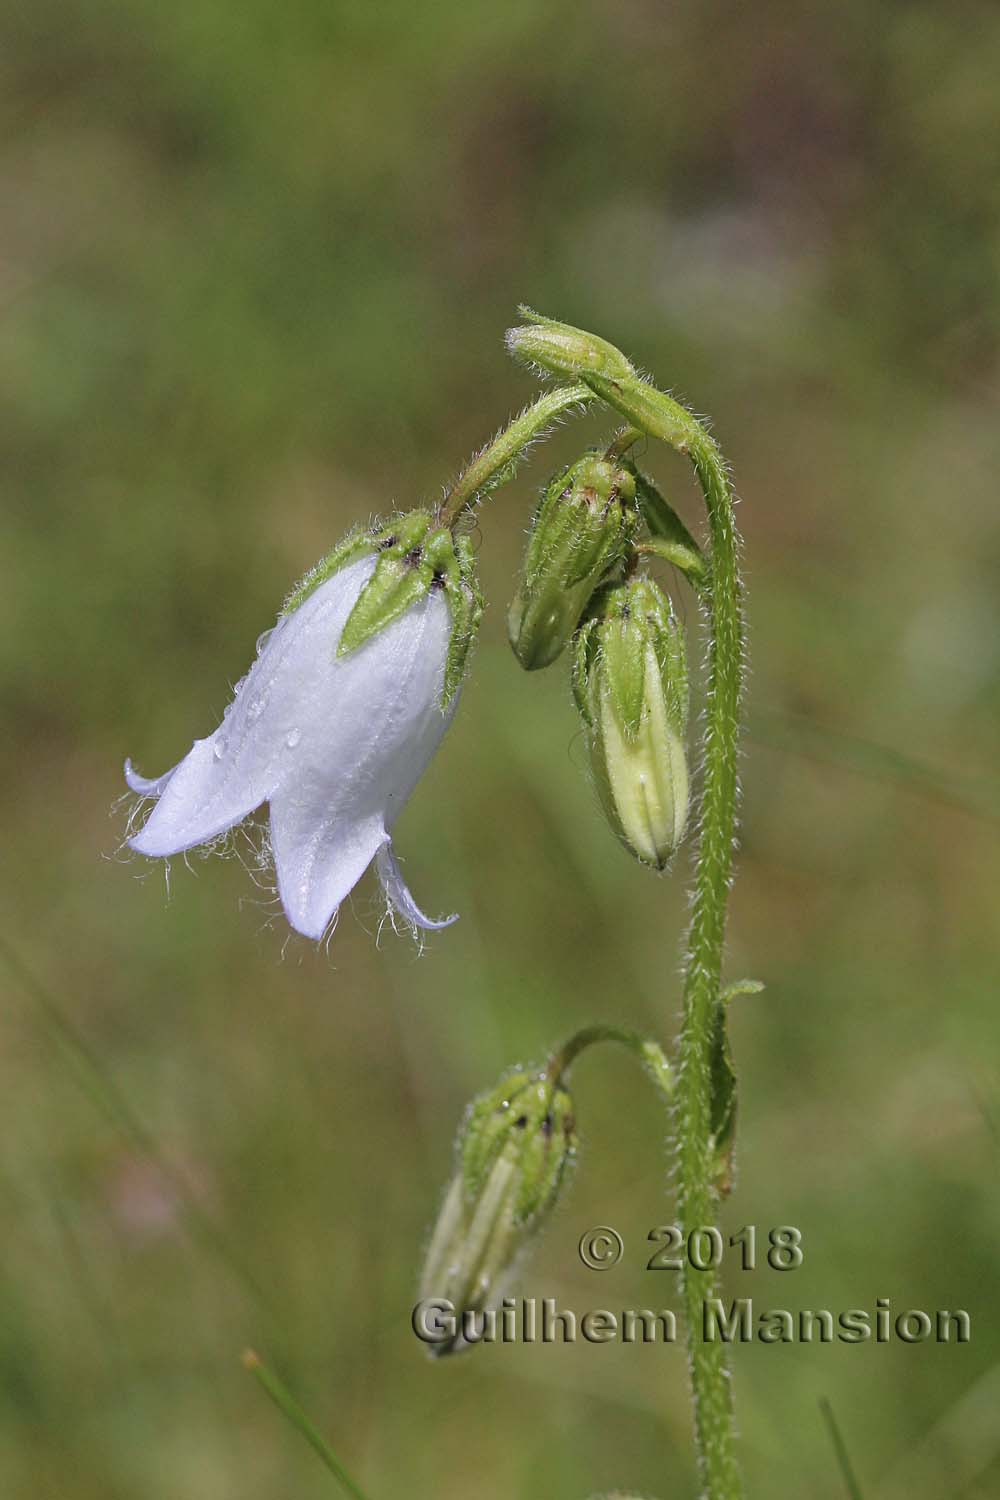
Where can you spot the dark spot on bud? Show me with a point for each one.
(414, 559)
(437, 582)
(569, 1125)
(386, 542)
(547, 1125)
(521, 1121)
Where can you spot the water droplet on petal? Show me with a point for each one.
(255, 708)
(234, 700)
(292, 738)
(263, 639)
(219, 749)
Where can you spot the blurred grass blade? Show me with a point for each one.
(290, 1408)
(851, 752)
(840, 1449)
(100, 1088)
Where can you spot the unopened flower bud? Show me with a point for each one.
(560, 349)
(513, 1152)
(585, 522)
(631, 687)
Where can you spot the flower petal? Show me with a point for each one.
(227, 776)
(146, 786)
(370, 722)
(319, 861)
(398, 895)
(334, 744)
(200, 798)
(371, 719)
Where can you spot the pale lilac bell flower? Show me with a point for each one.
(335, 745)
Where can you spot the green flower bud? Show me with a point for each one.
(514, 1149)
(414, 554)
(631, 687)
(563, 350)
(586, 520)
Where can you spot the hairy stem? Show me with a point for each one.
(664, 418)
(574, 354)
(495, 464)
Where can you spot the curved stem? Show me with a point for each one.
(495, 464)
(710, 1383)
(573, 353)
(649, 1053)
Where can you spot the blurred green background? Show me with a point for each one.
(255, 265)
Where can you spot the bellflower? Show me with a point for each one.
(334, 724)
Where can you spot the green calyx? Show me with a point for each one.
(583, 528)
(414, 555)
(625, 622)
(355, 544)
(630, 683)
(529, 1117)
(515, 1146)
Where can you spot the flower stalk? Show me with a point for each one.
(570, 353)
(649, 1053)
(494, 464)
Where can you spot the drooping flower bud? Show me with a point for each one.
(560, 349)
(574, 354)
(516, 1144)
(631, 686)
(585, 522)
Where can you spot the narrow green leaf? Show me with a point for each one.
(723, 1116)
(290, 1408)
(671, 539)
(742, 987)
(840, 1449)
